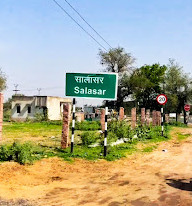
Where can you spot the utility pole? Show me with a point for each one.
(39, 90)
(16, 88)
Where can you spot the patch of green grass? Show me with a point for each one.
(182, 136)
(149, 148)
(80, 152)
(88, 125)
(28, 129)
(176, 124)
(113, 153)
(121, 150)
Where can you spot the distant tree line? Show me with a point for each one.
(145, 83)
(142, 85)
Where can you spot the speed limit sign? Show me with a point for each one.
(162, 99)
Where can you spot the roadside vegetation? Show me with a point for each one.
(30, 141)
(27, 142)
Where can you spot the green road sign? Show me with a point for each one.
(101, 85)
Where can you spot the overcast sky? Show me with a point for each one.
(39, 43)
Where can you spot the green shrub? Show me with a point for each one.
(120, 128)
(7, 116)
(143, 132)
(111, 137)
(150, 133)
(39, 117)
(5, 153)
(89, 138)
(22, 153)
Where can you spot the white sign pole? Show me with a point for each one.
(73, 126)
(162, 121)
(105, 138)
(162, 100)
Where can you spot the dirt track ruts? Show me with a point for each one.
(151, 179)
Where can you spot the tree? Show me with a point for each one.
(178, 87)
(7, 110)
(3, 81)
(3, 86)
(146, 83)
(117, 60)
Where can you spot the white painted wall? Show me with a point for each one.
(54, 108)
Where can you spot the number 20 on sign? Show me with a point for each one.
(162, 99)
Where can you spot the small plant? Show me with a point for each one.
(7, 116)
(121, 129)
(89, 138)
(39, 117)
(111, 137)
(143, 132)
(5, 153)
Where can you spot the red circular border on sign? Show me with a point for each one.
(165, 99)
(187, 107)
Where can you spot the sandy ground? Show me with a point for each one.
(148, 179)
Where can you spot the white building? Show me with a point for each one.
(28, 107)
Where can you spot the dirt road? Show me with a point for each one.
(148, 179)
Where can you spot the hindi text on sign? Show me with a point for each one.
(81, 79)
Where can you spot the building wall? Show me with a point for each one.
(53, 105)
(80, 116)
(53, 108)
(24, 102)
